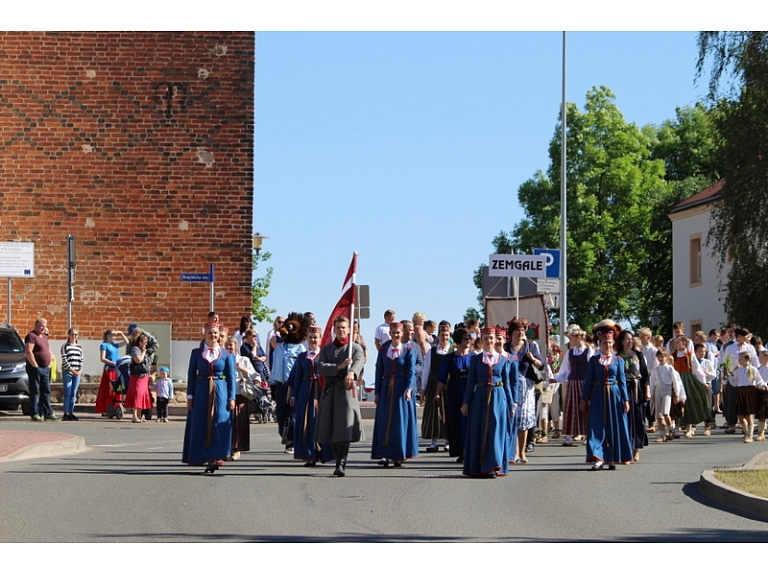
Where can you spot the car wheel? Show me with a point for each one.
(26, 408)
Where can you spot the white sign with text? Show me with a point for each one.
(17, 259)
(512, 265)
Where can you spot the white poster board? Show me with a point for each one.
(17, 259)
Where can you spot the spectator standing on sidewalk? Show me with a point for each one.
(38, 355)
(164, 389)
(71, 370)
(382, 332)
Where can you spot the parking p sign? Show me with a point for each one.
(552, 263)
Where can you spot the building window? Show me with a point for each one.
(695, 326)
(696, 260)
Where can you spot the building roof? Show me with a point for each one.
(705, 196)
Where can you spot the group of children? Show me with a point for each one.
(690, 382)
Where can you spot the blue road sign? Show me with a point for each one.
(199, 277)
(196, 277)
(553, 261)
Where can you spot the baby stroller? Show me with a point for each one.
(262, 407)
(120, 387)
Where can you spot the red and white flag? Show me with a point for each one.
(346, 303)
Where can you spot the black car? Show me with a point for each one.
(14, 383)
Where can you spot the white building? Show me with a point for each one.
(696, 300)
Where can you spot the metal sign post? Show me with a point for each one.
(70, 277)
(210, 278)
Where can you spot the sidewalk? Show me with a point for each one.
(18, 445)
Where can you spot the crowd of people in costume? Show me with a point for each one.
(489, 394)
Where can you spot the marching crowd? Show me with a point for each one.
(489, 395)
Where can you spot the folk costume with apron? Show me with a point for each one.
(395, 433)
(211, 384)
(305, 383)
(697, 402)
(606, 390)
(454, 370)
(491, 394)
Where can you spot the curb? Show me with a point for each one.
(733, 498)
(73, 444)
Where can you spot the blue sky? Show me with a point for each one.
(410, 148)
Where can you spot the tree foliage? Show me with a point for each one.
(622, 182)
(260, 289)
(739, 234)
(611, 177)
(686, 145)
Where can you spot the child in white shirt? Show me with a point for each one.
(164, 389)
(666, 383)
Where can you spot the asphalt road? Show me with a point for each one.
(130, 486)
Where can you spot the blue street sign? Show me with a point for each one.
(199, 277)
(196, 277)
(553, 261)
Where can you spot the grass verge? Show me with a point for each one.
(753, 481)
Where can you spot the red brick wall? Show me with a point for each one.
(109, 137)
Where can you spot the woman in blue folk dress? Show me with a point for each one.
(395, 433)
(489, 404)
(211, 389)
(606, 400)
(452, 383)
(303, 396)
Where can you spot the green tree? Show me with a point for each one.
(687, 147)
(739, 234)
(473, 313)
(260, 289)
(688, 143)
(611, 178)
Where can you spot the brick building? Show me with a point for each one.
(141, 146)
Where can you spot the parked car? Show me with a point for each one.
(14, 382)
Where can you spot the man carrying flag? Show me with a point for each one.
(341, 362)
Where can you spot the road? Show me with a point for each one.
(130, 486)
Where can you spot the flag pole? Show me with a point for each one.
(352, 308)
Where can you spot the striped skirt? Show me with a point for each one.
(574, 422)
